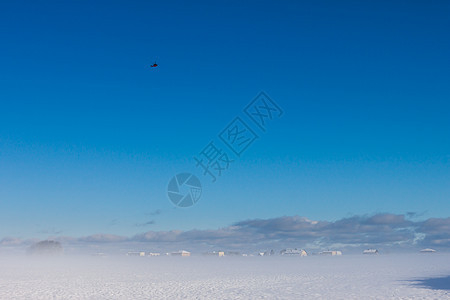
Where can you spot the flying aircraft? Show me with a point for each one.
(154, 65)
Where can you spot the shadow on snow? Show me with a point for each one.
(434, 283)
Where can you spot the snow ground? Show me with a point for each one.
(408, 276)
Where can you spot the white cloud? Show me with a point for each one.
(380, 230)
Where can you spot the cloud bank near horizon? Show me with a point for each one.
(384, 230)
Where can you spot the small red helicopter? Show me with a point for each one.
(154, 65)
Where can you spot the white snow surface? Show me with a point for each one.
(390, 276)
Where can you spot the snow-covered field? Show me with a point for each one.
(409, 276)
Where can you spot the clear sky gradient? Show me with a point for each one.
(90, 135)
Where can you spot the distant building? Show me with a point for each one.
(427, 250)
(154, 254)
(330, 253)
(181, 253)
(370, 251)
(293, 252)
(133, 253)
(215, 253)
(267, 253)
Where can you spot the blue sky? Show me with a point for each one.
(90, 135)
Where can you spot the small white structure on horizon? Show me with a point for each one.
(330, 253)
(427, 250)
(370, 251)
(133, 253)
(215, 253)
(181, 253)
(154, 254)
(293, 252)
